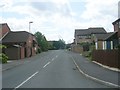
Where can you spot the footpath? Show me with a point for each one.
(97, 72)
(13, 63)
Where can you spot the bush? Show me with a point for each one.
(3, 58)
(39, 50)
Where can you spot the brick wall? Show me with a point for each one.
(77, 48)
(5, 29)
(22, 52)
(116, 28)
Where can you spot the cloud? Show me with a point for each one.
(97, 8)
(55, 18)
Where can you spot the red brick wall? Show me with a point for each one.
(33, 51)
(30, 49)
(116, 28)
(28, 46)
(5, 29)
(22, 52)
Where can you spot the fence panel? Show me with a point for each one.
(107, 57)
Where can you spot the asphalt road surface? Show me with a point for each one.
(52, 69)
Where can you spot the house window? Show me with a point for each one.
(83, 37)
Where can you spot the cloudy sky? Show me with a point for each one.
(58, 19)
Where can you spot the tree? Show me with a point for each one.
(3, 57)
(59, 44)
(42, 42)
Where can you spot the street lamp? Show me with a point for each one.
(29, 25)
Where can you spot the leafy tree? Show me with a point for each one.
(59, 44)
(42, 42)
(3, 57)
(62, 44)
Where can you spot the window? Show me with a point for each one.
(84, 37)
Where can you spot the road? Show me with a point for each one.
(52, 69)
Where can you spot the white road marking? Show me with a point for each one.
(46, 64)
(105, 82)
(53, 59)
(56, 56)
(26, 80)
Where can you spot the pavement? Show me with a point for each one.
(86, 67)
(96, 72)
(13, 63)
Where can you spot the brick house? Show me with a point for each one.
(116, 25)
(83, 38)
(20, 44)
(84, 35)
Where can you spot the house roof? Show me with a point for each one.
(96, 30)
(116, 21)
(103, 36)
(81, 32)
(111, 36)
(16, 37)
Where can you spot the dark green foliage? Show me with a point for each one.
(44, 45)
(58, 45)
(42, 42)
(3, 57)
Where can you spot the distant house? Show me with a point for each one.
(84, 35)
(20, 44)
(84, 38)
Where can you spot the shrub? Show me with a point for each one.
(39, 50)
(3, 58)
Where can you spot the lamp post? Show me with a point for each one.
(29, 25)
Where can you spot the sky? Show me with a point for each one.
(58, 19)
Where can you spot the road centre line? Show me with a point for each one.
(53, 59)
(56, 56)
(26, 80)
(46, 64)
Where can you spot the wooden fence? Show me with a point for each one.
(107, 57)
